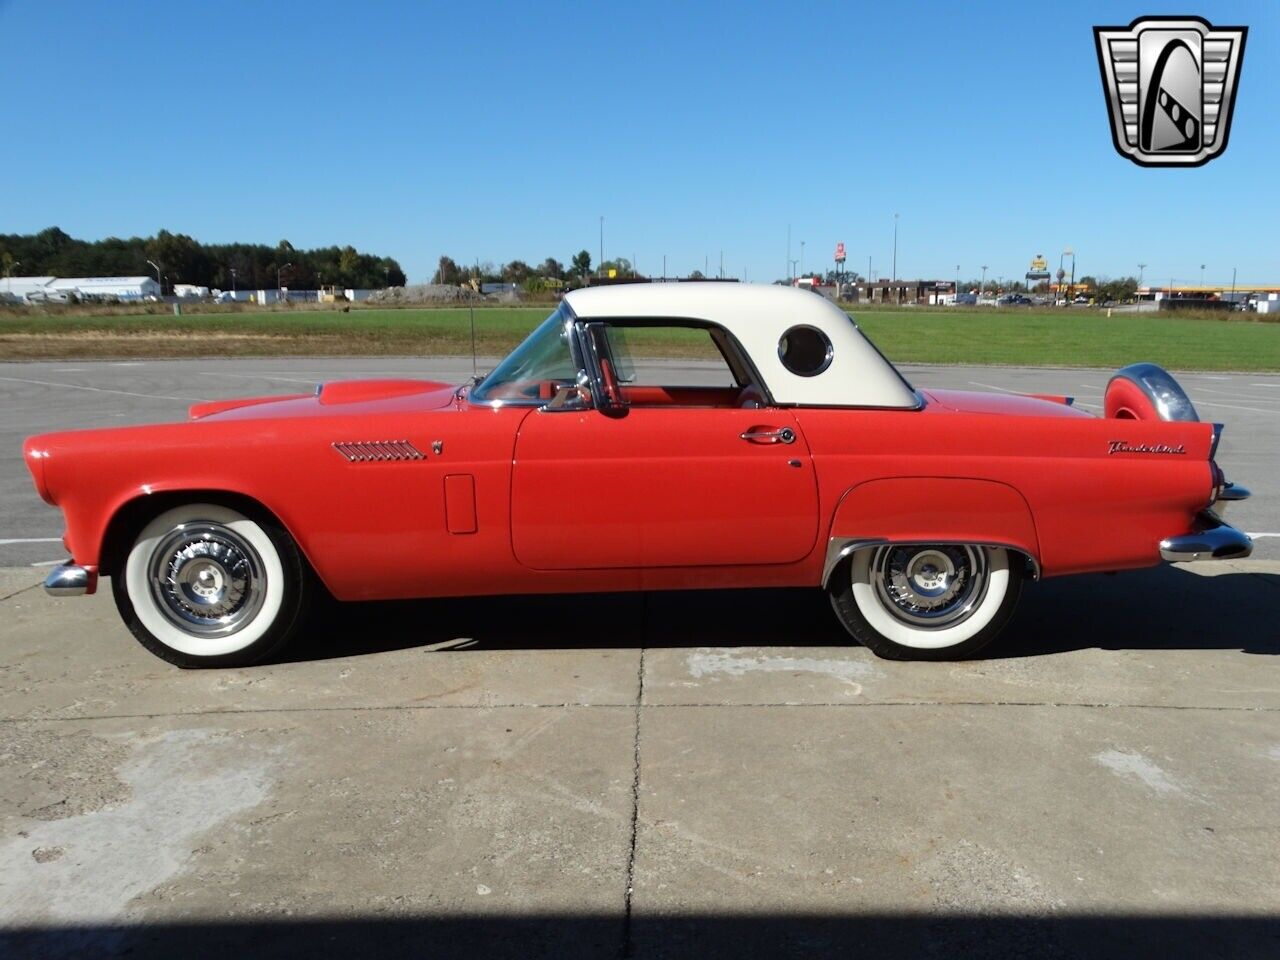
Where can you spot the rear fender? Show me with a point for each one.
(931, 510)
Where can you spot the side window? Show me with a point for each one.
(805, 351)
(657, 356)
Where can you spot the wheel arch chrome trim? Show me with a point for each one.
(841, 548)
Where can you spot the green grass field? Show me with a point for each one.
(1020, 337)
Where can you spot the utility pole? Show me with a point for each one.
(1141, 267)
(233, 283)
(895, 248)
(721, 264)
(8, 276)
(664, 266)
(158, 280)
(600, 267)
(280, 289)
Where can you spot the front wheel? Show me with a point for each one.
(926, 601)
(206, 586)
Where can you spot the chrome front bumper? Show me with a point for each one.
(70, 580)
(1213, 539)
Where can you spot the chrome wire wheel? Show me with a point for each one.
(929, 586)
(206, 579)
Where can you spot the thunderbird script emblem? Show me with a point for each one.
(1170, 84)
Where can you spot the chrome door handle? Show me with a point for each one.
(781, 435)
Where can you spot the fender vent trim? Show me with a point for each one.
(378, 451)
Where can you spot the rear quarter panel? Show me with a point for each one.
(1090, 509)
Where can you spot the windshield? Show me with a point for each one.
(533, 371)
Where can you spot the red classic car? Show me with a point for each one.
(799, 457)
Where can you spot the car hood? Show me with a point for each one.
(339, 396)
(1012, 404)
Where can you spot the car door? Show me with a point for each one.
(662, 487)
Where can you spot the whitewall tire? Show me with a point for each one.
(926, 601)
(206, 585)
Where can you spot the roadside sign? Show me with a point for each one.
(840, 253)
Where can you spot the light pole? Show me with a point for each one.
(233, 283)
(895, 248)
(983, 285)
(664, 266)
(789, 267)
(1233, 288)
(8, 276)
(280, 289)
(158, 280)
(1202, 276)
(957, 289)
(600, 268)
(1141, 267)
(792, 274)
(802, 258)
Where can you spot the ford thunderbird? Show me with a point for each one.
(792, 454)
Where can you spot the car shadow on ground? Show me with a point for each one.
(1164, 608)
(692, 935)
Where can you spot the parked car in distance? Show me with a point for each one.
(1013, 300)
(798, 457)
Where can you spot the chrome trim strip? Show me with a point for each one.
(1217, 438)
(838, 548)
(68, 580)
(1214, 540)
(1164, 392)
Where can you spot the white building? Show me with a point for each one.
(108, 288)
(62, 289)
(22, 287)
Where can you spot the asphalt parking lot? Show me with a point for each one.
(708, 774)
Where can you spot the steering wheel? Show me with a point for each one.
(609, 381)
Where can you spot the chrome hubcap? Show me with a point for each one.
(930, 586)
(207, 579)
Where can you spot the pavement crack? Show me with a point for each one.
(10, 596)
(636, 707)
(627, 945)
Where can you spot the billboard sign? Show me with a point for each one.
(840, 252)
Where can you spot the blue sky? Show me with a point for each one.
(504, 131)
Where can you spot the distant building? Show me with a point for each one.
(63, 289)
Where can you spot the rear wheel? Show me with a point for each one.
(926, 601)
(206, 586)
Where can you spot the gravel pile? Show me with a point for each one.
(425, 293)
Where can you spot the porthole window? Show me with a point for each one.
(805, 351)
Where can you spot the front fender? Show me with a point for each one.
(931, 510)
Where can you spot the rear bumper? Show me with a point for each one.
(1212, 539)
(71, 580)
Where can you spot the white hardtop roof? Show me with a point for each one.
(759, 315)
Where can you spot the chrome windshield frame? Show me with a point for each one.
(573, 333)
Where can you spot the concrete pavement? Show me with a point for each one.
(709, 774)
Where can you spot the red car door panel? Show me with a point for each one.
(658, 487)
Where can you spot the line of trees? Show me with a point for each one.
(551, 272)
(52, 252)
